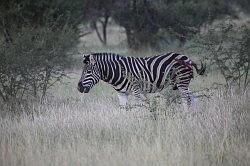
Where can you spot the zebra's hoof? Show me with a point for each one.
(127, 107)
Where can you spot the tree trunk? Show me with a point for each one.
(6, 32)
(132, 41)
(182, 40)
(102, 37)
(104, 27)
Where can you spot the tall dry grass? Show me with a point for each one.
(75, 129)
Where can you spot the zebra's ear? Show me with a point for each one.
(92, 60)
(86, 59)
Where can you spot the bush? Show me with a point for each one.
(228, 46)
(34, 61)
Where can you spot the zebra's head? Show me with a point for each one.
(90, 74)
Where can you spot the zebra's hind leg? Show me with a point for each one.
(187, 96)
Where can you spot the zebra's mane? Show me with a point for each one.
(107, 53)
(121, 55)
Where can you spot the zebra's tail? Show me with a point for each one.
(201, 70)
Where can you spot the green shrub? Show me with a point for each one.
(227, 46)
(34, 61)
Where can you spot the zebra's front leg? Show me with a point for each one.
(123, 101)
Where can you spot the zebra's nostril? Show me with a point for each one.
(80, 87)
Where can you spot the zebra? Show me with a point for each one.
(139, 75)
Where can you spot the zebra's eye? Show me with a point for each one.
(88, 71)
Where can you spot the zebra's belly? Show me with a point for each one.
(140, 86)
(145, 88)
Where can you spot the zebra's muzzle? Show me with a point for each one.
(86, 90)
(82, 89)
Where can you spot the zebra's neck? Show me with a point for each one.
(109, 68)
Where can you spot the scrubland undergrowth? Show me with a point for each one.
(75, 129)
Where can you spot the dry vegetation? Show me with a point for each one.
(69, 128)
(74, 129)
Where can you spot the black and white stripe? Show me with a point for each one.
(139, 75)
